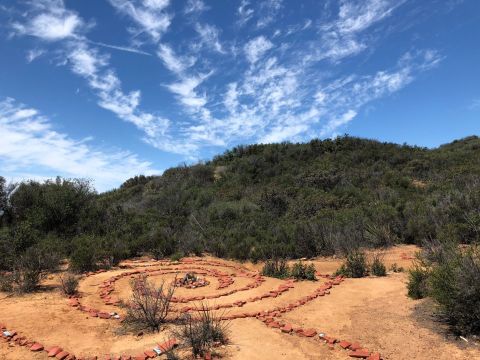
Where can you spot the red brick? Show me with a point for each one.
(274, 324)
(36, 347)
(62, 355)
(52, 352)
(344, 344)
(374, 356)
(360, 354)
(287, 328)
(309, 332)
(150, 354)
(355, 346)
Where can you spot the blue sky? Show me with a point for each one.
(107, 89)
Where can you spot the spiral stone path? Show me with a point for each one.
(232, 292)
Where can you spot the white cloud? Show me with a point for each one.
(185, 89)
(195, 6)
(335, 123)
(278, 92)
(270, 11)
(173, 62)
(150, 16)
(92, 66)
(244, 12)
(209, 36)
(32, 148)
(55, 24)
(358, 16)
(340, 37)
(256, 48)
(475, 104)
(34, 54)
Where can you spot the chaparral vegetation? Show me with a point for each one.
(346, 198)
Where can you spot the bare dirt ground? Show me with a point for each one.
(374, 312)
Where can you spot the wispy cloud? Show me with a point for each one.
(185, 89)
(256, 48)
(209, 36)
(52, 24)
(173, 62)
(195, 6)
(94, 67)
(245, 12)
(258, 85)
(474, 104)
(150, 16)
(34, 54)
(270, 11)
(340, 37)
(32, 148)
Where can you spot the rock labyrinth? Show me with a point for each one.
(230, 282)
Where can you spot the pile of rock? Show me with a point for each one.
(191, 281)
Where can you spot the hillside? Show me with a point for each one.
(300, 200)
(256, 202)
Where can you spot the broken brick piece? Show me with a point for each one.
(36, 347)
(359, 354)
(309, 332)
(62, 355)
(345, 344)
(52, 352)
(150, 354)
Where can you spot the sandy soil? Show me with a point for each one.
(373, 311)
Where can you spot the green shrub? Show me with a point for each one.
(86, 254)
(6, 282)
(355, 265)
(277, 268)
(31, 267)
(377, 267)
(300, 271)
(396, 269)
(454, 284)
(463, 310)
(69, 284)
(417, 282)
(176, 256)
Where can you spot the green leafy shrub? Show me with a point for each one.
(176, 256)
(86, 254)
(417, 282)
(277, 268)
(6, 282)
(300, 271)
(454, 284)
(377, 267)
(31, 267)
(355, 265)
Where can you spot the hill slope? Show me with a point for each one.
(305, 199)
